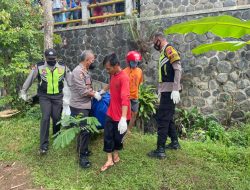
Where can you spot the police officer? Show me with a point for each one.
(169, 72)
(80, 102)
(50, 74)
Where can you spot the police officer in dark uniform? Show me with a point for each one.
(50, 74)
(169, 72)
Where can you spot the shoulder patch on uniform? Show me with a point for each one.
(44, 72)
(172, 54)
(169, 50)
(61, 70)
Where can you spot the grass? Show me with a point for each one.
(197, 166)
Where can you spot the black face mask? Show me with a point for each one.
(92, 66)
(51, 62)
(157, 45)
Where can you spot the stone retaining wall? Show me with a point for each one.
(162, 7)
(210, 80)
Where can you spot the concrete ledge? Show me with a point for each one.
(214, 10)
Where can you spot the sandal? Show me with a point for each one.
(106, 166)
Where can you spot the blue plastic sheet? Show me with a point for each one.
(100, 108)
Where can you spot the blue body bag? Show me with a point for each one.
(100, 108)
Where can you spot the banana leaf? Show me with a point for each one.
(65, 137)
(223, 26)
(219, 46)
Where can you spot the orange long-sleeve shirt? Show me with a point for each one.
(135, 79)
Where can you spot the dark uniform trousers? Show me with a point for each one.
(165, 119)
(51, 106)
(84, 136)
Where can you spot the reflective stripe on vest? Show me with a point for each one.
(163, 59)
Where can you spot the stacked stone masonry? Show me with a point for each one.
(162, 7)
(210, 81)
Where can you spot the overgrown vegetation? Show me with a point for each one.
(199, 165)
(192, 124)
(20, 45)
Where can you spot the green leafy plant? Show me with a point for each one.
(147, 102)
(71, 128)
(20, 45)
(5, 101)
(57, 39)
(189, 120)
(33, 112)
(238, 136)
(191, 123)
(223, 26)
(215, 131)
(199, 135)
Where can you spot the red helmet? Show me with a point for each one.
(133, 56)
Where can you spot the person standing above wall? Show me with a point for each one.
(57, 6)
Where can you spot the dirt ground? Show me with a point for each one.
(15, 176)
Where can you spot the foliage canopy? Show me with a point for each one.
(21, 42)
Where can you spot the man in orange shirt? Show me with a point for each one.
(135, 79)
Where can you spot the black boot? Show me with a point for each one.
(86, 153)
(158, 153)
(84, 162)
(43, 151)
(174, 145)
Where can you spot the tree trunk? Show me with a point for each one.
(48, 24)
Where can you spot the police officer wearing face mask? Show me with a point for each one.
(50, 74)
(169, 72)
(80, 102)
